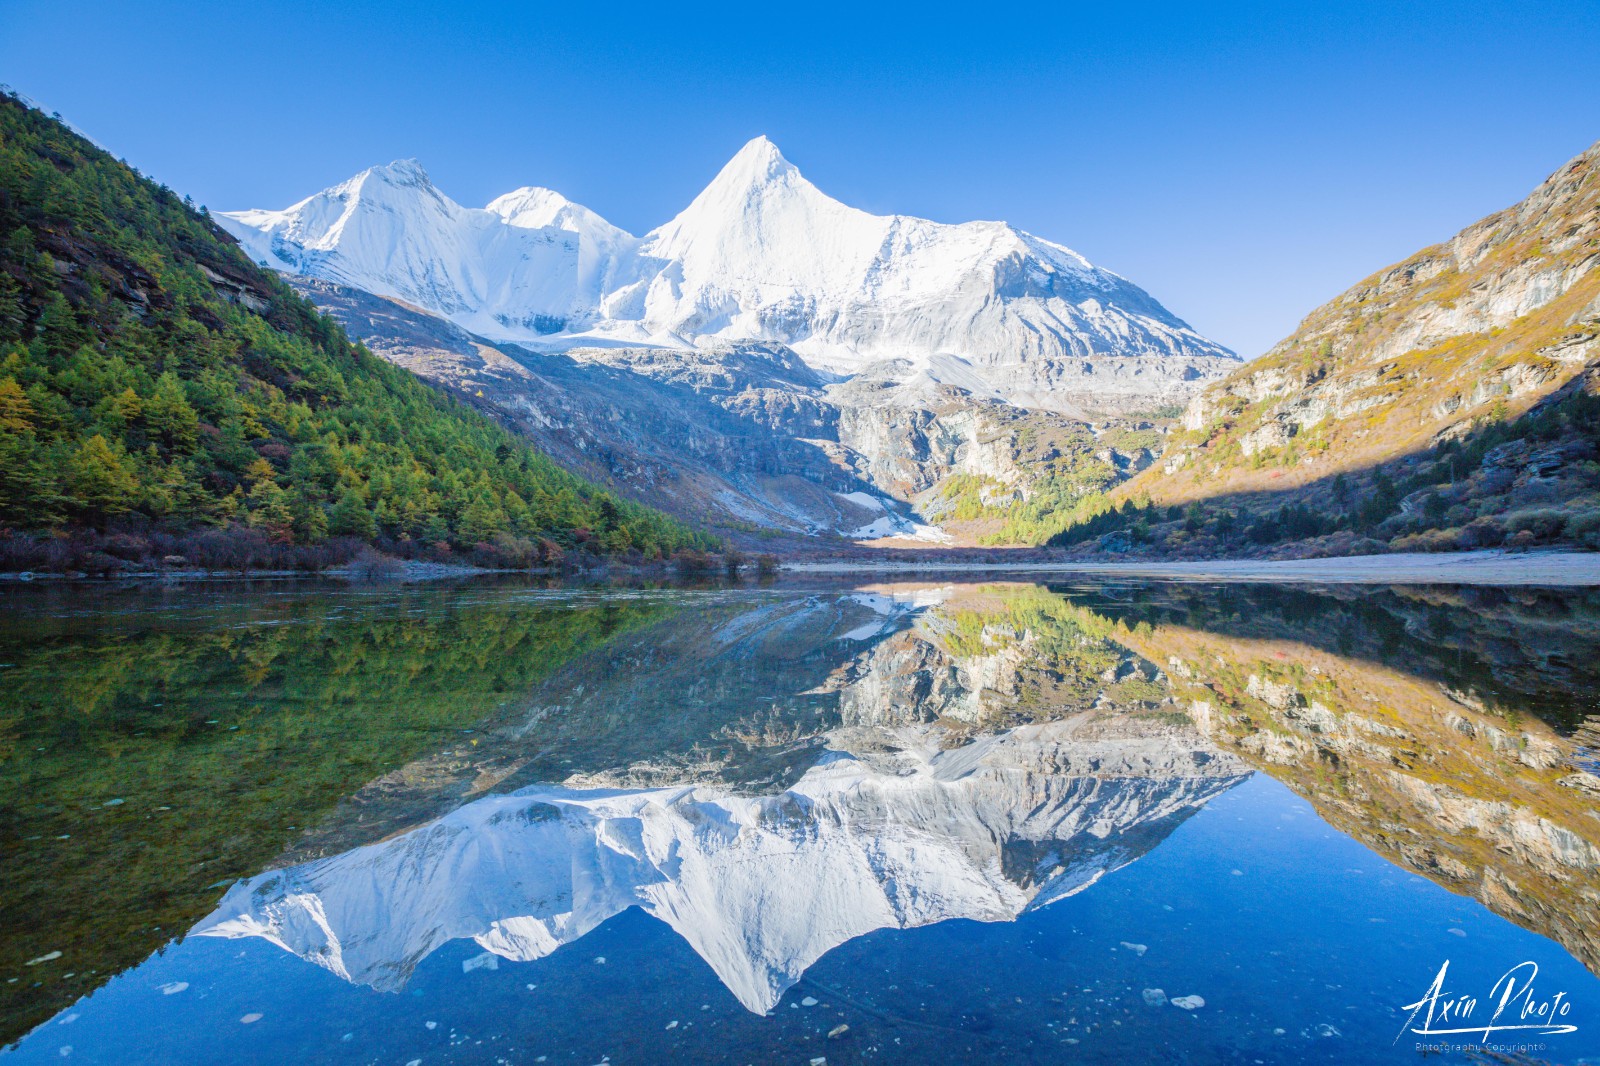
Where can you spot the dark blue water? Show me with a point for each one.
(1305, 945)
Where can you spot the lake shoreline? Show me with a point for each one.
(1553, 569)
(407, 571)
(1490, 567)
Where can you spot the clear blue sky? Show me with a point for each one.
(1243, 162)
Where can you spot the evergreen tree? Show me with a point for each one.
(27, 493)
(270, 511)
(168, 415)
(482, 519)
(351, 518)
(101, 478)
(16, 410)
(310, 521)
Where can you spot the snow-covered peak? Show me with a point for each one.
(760, 255)
(603, 249)
(758, 163)
(534, 207)
(765, 222)
(401, 172)
(390, 231)
(395, 184)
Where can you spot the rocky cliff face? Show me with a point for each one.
(718, 436)
(908, 437)
(1468, 332)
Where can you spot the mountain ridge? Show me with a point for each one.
(759, 255)
(752, 440)
(1448, 400)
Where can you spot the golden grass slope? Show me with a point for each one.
(1474, 330)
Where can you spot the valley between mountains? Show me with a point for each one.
(770, 370)
(776, 365)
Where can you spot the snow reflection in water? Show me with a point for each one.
(761, 887)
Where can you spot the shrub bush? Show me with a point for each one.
(1544, 523)
(1482, 533)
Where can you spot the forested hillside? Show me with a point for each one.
(155, 383)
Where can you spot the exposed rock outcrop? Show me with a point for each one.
(746, 436)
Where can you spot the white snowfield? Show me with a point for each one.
(760, 255)
(760, 887)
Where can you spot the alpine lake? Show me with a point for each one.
(505, 822)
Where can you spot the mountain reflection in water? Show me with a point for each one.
(899, 835)
(775, 774)
(1452, 732)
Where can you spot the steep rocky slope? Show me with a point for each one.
(1403, 405)
(695, 435)
(1501, 314)
(753, 440)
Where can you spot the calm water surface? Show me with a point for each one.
(1000, 822)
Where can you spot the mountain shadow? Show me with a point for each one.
(1444, 402)
(1528, 481)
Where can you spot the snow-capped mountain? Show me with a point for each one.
(389, 231)
(760, 255)
(603, 249)
(761, 887)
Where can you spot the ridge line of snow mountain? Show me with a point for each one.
(760, 255)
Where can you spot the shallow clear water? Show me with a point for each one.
(1120, 822)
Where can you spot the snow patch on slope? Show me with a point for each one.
(899, 527)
